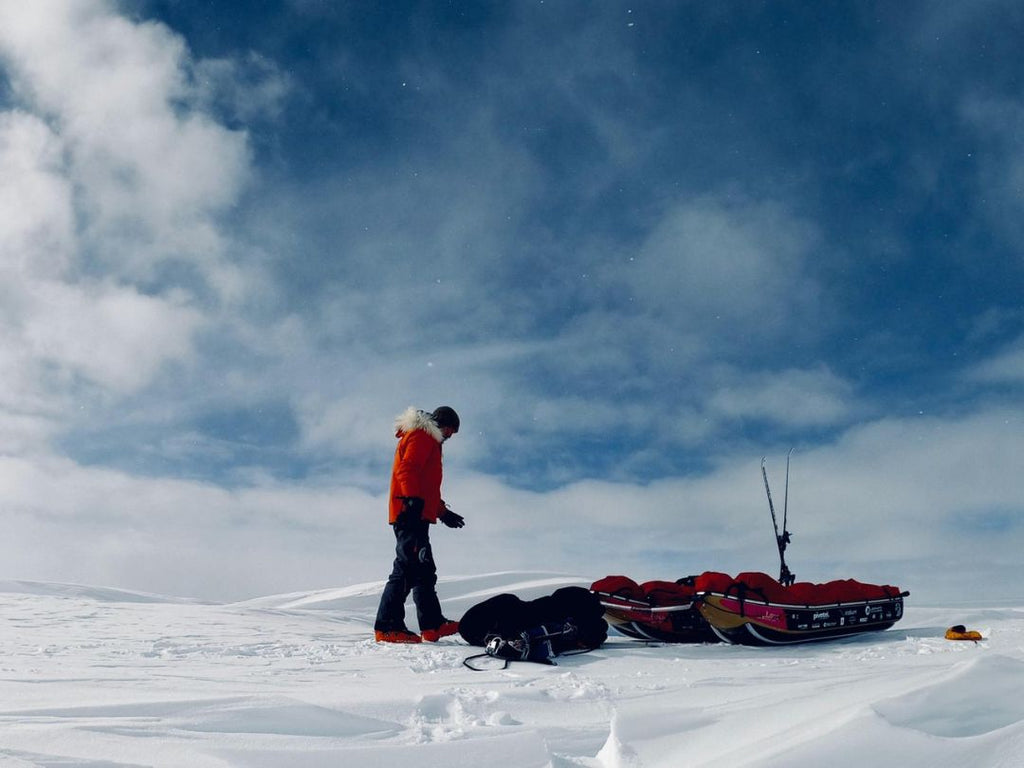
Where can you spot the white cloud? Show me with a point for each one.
(92, 525)
(999, 159)
(795, 398)
(716, 261)
(250, 90)
(37, 226)
(150, 172)
(885, 497)
(108, 173)
(108, 333)
(1006, 367)
(114, 336)
(345, 424)
(112, 179)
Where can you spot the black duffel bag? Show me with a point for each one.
(570, 620)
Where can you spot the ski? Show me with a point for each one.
(786, 577)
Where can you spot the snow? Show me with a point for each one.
(96, 677)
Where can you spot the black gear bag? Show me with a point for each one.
(570, 620)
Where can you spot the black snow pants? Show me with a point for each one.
(414, 571)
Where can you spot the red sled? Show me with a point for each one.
(750, 609)
(755, 609)
(665, 611)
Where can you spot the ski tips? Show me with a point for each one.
(789, 454)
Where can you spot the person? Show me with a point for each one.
(414, 504)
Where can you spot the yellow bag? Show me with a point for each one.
(960, 632)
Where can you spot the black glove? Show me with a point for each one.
(412, 505)
(450, 519)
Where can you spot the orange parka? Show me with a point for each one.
(417, 468)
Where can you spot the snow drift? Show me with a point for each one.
(93, 677)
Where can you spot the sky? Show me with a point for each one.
(636, 246)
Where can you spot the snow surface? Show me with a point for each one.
(97, 677)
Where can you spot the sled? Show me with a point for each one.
(663, 611)
(751, 609)
(755, 609)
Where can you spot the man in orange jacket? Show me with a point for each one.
(414, 504)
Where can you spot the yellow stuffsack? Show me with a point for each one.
(960, 632)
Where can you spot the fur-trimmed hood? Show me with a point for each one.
(412, 419)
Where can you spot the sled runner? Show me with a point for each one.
(665, 611)
(755, 609)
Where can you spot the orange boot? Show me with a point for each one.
(448, 627)
(396, 636)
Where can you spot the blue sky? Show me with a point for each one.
(637, 246)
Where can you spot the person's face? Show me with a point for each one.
(447, 432)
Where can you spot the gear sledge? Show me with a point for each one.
(751, 609)
(755, 609)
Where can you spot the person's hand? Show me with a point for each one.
(451, 519)
(413, 505)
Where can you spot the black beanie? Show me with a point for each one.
(446, 417)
